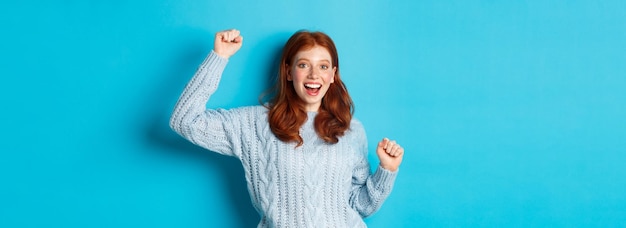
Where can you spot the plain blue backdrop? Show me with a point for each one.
(512, 113)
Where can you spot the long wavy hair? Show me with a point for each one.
(286, 110)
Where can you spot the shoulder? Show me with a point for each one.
(356, 126)
(243, 113)
(254, 109)
(356, 132)
(356, 138)
(244, 110)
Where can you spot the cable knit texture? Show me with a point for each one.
(314, 185)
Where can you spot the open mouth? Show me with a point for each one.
(312, 88)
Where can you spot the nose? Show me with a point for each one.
(313, 73)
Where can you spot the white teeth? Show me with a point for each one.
(313, 86)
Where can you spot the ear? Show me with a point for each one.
(289, 77)
(332, 80)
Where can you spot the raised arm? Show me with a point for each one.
(212, 129)
(369, 191)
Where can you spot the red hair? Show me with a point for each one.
(286, 110)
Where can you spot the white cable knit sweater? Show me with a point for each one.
(314, 185)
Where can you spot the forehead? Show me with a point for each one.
(314, 53)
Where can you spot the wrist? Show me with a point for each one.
(221, 55)
(391, 168)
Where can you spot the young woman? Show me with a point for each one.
(304, 156)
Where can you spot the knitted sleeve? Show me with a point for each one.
(216, 130)
(369, 191)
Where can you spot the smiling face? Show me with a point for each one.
(312, 73)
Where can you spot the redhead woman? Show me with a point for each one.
(303, 153)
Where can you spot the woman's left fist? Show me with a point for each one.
(390, 154)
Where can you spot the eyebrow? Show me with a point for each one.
(300, 59)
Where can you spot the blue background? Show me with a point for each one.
(513, 114)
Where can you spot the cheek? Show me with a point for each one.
(298, 75)
(329, 78)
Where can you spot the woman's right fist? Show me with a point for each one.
(227, 43)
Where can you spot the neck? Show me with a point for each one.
(312, 108)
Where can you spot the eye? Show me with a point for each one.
(324, 67)
(302, 65)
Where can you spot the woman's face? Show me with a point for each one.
(312, 73)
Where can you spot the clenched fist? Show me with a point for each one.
(390, 154)
(227, 43)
